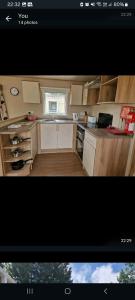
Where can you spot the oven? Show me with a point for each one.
(80, 140)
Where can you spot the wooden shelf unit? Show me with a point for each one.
(93, 95)
(25, 171)
(116, 89)
(112, 81)
(125, 90)
(104, 102)
(20, 145)
(105, 78)
(7, 158)
(108, 89)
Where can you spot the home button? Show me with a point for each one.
(67, 291)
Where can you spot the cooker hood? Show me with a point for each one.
(93, 84)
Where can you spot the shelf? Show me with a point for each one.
(94, 87)
(106, 102)
(20, 145)
(11, 159)
(110, 82)
(25, 171)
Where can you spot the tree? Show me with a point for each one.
(127, 275)
(39, 272)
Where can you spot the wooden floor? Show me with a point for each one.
(57, 164)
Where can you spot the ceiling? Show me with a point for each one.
(66, 77)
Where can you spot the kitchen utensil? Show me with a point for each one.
(85, 117)
(17, 139)
(75, 116)
(14, 126)
(20, 164)
(31, 116)
(92, 119)
(18, 152)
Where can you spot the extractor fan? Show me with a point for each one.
(93, 84)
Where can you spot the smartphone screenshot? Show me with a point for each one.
(61, 115)
(104, 270)
(67, 149)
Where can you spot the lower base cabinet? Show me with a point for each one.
(88, 157)
(56, 136)
(105, 156)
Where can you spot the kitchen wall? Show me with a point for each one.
(113, 109)
(15, 105)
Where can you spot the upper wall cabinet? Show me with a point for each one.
(85, 96)
(108, 89)
(31, 92)
(76, 94)
(125, 89)
(90, 96)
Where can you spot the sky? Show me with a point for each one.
(96, 272)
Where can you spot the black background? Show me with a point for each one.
(67, 51)
(81, 210)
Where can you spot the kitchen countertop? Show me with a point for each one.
(103, 133)
(24, 128)
(96, 132)
(60, 122)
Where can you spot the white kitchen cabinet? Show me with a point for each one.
(65, 136)
(31, 92)
(56, 136)
(34, 141)
(88, 157)
(48, 136)
(76, 94)
(85, 96)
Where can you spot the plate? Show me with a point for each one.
(14, 126)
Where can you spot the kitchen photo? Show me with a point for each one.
(67, 125)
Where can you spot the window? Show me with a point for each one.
(52, 107)
(55, 101)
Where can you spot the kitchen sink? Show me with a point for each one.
(59, 121)
(49, 121)
(54, 121)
